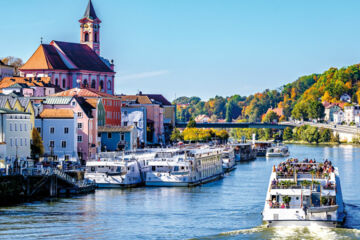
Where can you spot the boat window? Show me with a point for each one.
(128, 168)
(153, 168)
(182, 168)
(118, 169)
(93, 169)
(176, 168)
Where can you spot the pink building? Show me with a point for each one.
(70, 64)
(154, 116)
(87, 141)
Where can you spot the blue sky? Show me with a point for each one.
(197, 47)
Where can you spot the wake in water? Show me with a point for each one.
(293, 233)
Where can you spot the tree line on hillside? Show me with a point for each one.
(301, 99)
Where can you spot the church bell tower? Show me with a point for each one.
(90, 28)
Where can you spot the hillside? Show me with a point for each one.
(299, 99)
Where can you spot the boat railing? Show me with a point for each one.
(285, 187)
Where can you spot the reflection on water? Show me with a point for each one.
(226, 209)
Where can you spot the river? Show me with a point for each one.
(226, 209)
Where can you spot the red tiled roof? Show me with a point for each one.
(57, 113)
(81, 55)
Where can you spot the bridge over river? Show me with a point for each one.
(236, 125)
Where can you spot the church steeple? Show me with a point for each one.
(90, 28)
(90, 11)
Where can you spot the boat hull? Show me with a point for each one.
(303, 223)
(182, 184)
(115, 185)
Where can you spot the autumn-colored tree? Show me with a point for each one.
(37, 147)
(13, 61)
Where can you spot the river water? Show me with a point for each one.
(226, 209)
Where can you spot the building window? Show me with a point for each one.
(64, 83)
(95, 37)
(86, 37)
(93, 84)
(109, 85)
(79, 114)
(52, 130)
(20, 127)
(52, 143)
(11, 142)
(125, 124)
(122, 136)
(10, 127)
(38, 129)
(66, 130)
(73, 103)
(63, 144)
(25, 127)
(15, 127)
(25, 140)
(16, 142)
(56, 81)
(67, 157)
(79, 138)
(101, 87)
(79, 125)
(85, 83)
(20, 141)
(109, 135)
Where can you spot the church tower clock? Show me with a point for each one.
(90, 28)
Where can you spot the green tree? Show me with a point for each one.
(37, 147)
(288, 134)
(300, 111)
(311, 134)
(228, 117)
(271, 117)
(325, 135)
(176, 135)
(191, 123)
(315, 110)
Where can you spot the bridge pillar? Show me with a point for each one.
(53, 186)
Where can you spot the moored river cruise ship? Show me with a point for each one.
(304, 193)
(117, 169)
(184, 167)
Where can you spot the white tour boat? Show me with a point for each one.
(228, 159)
(117, 169)
(278, 150)
(184, 167)
(304, 194)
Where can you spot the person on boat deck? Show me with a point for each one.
(282, 205)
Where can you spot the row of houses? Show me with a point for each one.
(76, 124)
(340, 113)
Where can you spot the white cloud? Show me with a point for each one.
(143, 75)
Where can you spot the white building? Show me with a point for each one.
(345, 98)
(351, 112)
(6, 70)
(338, 117)
(15, 130)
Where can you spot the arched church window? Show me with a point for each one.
(85, 83)
(101, 87)
(93, 84)
(64, 83)
(56, 81)
(109, 85)
(95, 37)
(86, 37)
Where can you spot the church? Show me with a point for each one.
(71, 65)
